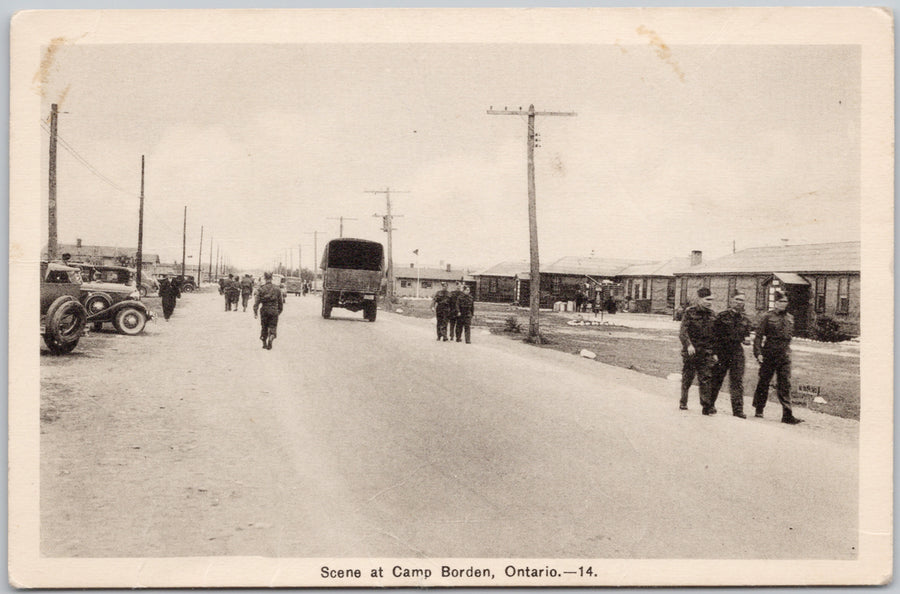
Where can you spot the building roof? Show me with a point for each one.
(509, 268)
(595, 267)
(667, 268)
(810, 258)
(438, 274)
(104, 251)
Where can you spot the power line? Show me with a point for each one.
(66, 145)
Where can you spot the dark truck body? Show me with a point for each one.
(352, 271)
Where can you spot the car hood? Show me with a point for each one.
(107, 288)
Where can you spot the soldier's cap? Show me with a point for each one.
(703, 292)
(779, 296)
(268, 276)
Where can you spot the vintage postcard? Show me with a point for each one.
(523, 297)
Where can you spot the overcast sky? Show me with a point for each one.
(694, 148)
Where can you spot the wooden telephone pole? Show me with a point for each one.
(315, 235)
(200, 258)
(535, 286)
(140, 250)
(341, 219)
(52, 245)
(184, 241)
(388, 227)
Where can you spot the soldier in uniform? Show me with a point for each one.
(169, 290)
(453, 316)
(246, 290)
(232, 293)
(465, 310)
(772, 348)
(440, 305)
(697, 350)
(267, 306)
(731, 329)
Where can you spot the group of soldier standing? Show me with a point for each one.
(267, 306)
(454, 311)
(713, 346)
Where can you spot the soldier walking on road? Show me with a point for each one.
(267, 306)
(232, 293)
(246, 290)
(440, 305)
(696, 335)
(169, 291)
(465, 310)
(772, 348)
(453, 316)
(731, 328)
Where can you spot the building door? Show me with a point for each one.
(798, 306)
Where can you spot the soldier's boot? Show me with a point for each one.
(789, 418)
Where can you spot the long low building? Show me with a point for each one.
(821, 281)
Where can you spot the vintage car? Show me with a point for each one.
(63, 317)
(188, 283)
(111, 297)
(294, 285)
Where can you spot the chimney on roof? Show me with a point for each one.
(696, 257)
(448, 267)
(78, 243)
(411, 265)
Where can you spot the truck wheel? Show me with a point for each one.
(130, 321)
(326, 306)
(370, 311)
(65, 323)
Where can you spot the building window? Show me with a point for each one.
(732, 287)
(405, 284)
(683, 298)
(760, 293)
(705, 282)
(492, 285)
(820, 294)
(644, 285)
(843, 301)
(555, 284)
(426, 284)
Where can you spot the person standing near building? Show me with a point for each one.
(731, 329)
(465, 311)
(440, 305)
(772, 348)
(169, 291)
(697, 352)
(232, 293)
(453, 316)
(246, 290)
(267, 307)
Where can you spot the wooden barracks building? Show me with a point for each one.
(819, 279)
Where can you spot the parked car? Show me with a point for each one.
(63, 317)
(188, 282)
(294, 285)
(109, 296)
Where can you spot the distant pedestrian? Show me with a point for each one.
(697, 353)
(731, 329)
(465, 310)
(221, 286)
(453, 316)
(246, 290)
(772, 348)
(169, 291)
(440, 305)
(232, 293)
(268, 306)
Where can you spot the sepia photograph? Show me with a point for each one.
(526, 297)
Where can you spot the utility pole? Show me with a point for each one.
(388, 227)
(140, 250)
(535, 287)
(184, 241)
(52, 245)
(200, 258)
(341, 219)
(210, 259)
(315, 235)
(217, 261)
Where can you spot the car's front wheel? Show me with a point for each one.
(187, 288)
(142, 291)
(130, 321)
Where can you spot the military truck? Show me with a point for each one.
(352, 271)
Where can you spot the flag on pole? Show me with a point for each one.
(416, 252)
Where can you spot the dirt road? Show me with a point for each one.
(357, 439)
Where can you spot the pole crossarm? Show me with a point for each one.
(526, 112)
